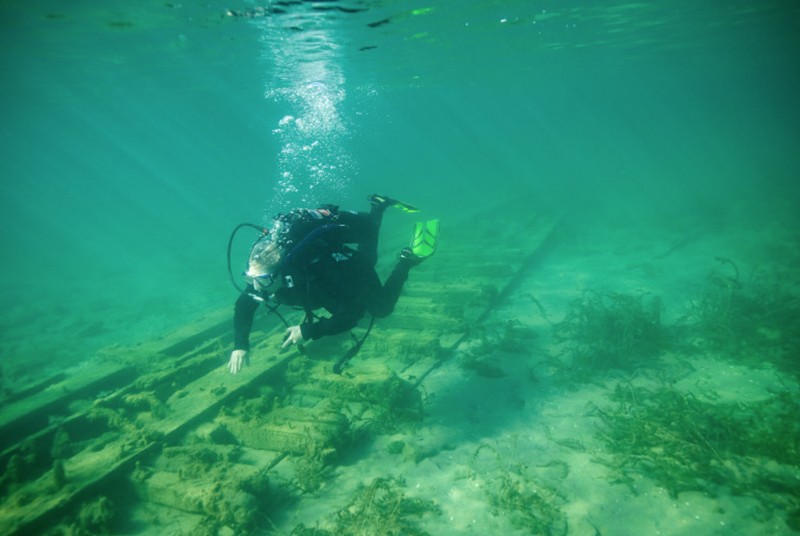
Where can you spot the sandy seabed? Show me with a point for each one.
(524, 432)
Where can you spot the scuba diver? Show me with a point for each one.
(306, 260)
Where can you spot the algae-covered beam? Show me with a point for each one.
(33, 506)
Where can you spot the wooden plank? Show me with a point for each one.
(28, 507)
(30, 411)
(26, 416)
(478, 264)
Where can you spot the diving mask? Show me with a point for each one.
(265, 256)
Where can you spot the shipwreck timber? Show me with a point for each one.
(162, 431)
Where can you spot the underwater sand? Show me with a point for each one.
(533, 420)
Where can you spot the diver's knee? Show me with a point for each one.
(381, 311)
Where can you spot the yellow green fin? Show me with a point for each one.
(426, 238)
(405, 207)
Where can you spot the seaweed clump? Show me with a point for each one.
(383, 405)
(757, 317)
(610, 330)
(93, 517)
(380, 507)
(686, 444)
(530, 506)
(205, 480)
(513, 492)
(312, 467)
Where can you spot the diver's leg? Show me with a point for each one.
(363, 229)
(382, 298)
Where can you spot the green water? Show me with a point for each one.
(134, 136)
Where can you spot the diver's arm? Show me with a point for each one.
(237, 361)
(294, 335)
(244, 311)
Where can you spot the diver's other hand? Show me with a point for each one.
(294, 335)
(237, 361)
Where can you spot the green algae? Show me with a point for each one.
(605, 331)
(380, 507)
(752, 320)
(687, 444)
(513, 491)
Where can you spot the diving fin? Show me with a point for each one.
(405, 207)
(377, 199)
(426, 238)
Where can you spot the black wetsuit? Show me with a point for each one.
(322, 272)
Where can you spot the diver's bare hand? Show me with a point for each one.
(237, 361)
(294, 335)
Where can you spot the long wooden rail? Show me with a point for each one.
(175, 431)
